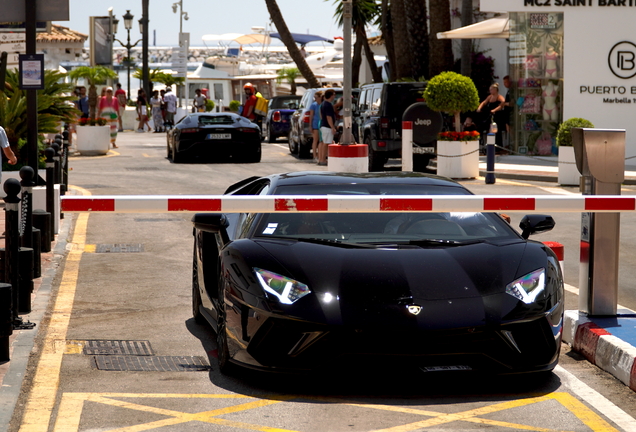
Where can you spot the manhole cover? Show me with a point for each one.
(118, 347)
(152, 364)
(119, 248)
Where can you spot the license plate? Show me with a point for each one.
(423, 150)
(446, 368)
(219, 136)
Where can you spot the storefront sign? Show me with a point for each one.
(555, 5)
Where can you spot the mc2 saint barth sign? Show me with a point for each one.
(554, 5)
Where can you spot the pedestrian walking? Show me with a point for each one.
(6, 149)
(314, 121)
(120, 94)
(109, 110)
(327, 125)
(157, 119)
(171, 107)
(142, 111)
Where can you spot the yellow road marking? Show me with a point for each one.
(70, 411)
(41, 400)
(90, 248)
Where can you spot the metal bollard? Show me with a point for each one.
(6, 321)
(56, 146)
(12, 242)
(66, 146)
(490, 158)
(42, 221)
(37, 253)
(25, 280)
(50, 187)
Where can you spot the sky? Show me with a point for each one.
(206, 17)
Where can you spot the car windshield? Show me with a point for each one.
(383, 228)
(285, 103)
(212, 120)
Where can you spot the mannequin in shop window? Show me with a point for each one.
(551, 61)
(550, 108)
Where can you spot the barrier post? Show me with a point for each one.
(407, 146)
(12, 239)
(26, 218)
(56, 145)
(50, 187)
(490, 158)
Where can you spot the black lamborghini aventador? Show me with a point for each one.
(438, 291)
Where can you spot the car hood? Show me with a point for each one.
(427, 273)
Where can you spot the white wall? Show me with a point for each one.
(590, 34)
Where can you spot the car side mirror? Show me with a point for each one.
(210, 222)
(536, 224)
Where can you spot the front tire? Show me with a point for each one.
(271, 138)
(304, 150)
(223, 353)
(196, 294)
(293, 149)
(176, 156)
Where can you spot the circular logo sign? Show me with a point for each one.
(426, 122)
(622, 60)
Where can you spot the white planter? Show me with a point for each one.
(129, 119)
(93, 140)
(568, 172)
(458, 159)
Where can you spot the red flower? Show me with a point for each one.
(458, 136)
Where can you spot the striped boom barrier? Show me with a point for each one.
(346, 204)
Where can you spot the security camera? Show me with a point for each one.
(174, 7)
(185, 16)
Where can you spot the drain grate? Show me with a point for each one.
(152, 364)
(118, 347)
(119, 248)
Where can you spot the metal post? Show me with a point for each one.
(32, 96)
(57, 172)
(50, 187)
(347, 134)
(26, 218)
(12, 243)
(66, 145)
(490, 158)
(6, 321)
(144, 44)
(407, 146)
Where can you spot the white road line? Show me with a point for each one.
(281, 146)
(596, 400)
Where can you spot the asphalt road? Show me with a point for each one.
(127, 278)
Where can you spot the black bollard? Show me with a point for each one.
(490, 159)
(6, 321)
(26, 220)
(50, 188)
(25, 280)
(12, 243)
(42, 221)
(66, 146)
(56, 146)
(37, 253)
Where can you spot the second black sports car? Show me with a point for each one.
(214, 135)
(439, 291)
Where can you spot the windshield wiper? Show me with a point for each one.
(329, 242)
(441, 242)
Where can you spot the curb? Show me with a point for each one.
(600, 347)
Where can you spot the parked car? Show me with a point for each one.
(438, 291)
(380, 110)
(355, 96)
(277, 122)
(214, 135)
(300, 137)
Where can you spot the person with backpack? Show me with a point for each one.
(250, 102)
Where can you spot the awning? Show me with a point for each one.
(303, 39)
(497, 28)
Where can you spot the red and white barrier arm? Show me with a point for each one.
(347, 204)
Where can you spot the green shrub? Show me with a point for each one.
(234, 105)
(452, 93)
(564, 134)
(209, 105)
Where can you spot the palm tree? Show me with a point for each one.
(386, 26)
(289, 75)
(363, 13)
(417, 33)
(93, 75)
(401, 40)
(285, 35)
(441, 50)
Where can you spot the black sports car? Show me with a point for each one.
(438, 291)
(214, 135)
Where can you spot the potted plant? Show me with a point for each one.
(457, 152)
(93, 138)
(568, 172)
(234, 106)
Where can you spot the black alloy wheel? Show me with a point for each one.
(196, 294)
(223, 353)
(293, 149)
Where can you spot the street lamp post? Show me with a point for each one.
(182, 16)
(128, 21)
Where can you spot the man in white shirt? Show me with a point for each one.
(6, 149)
(171, 107)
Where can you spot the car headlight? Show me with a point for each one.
(285, 289)
(527, 288)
